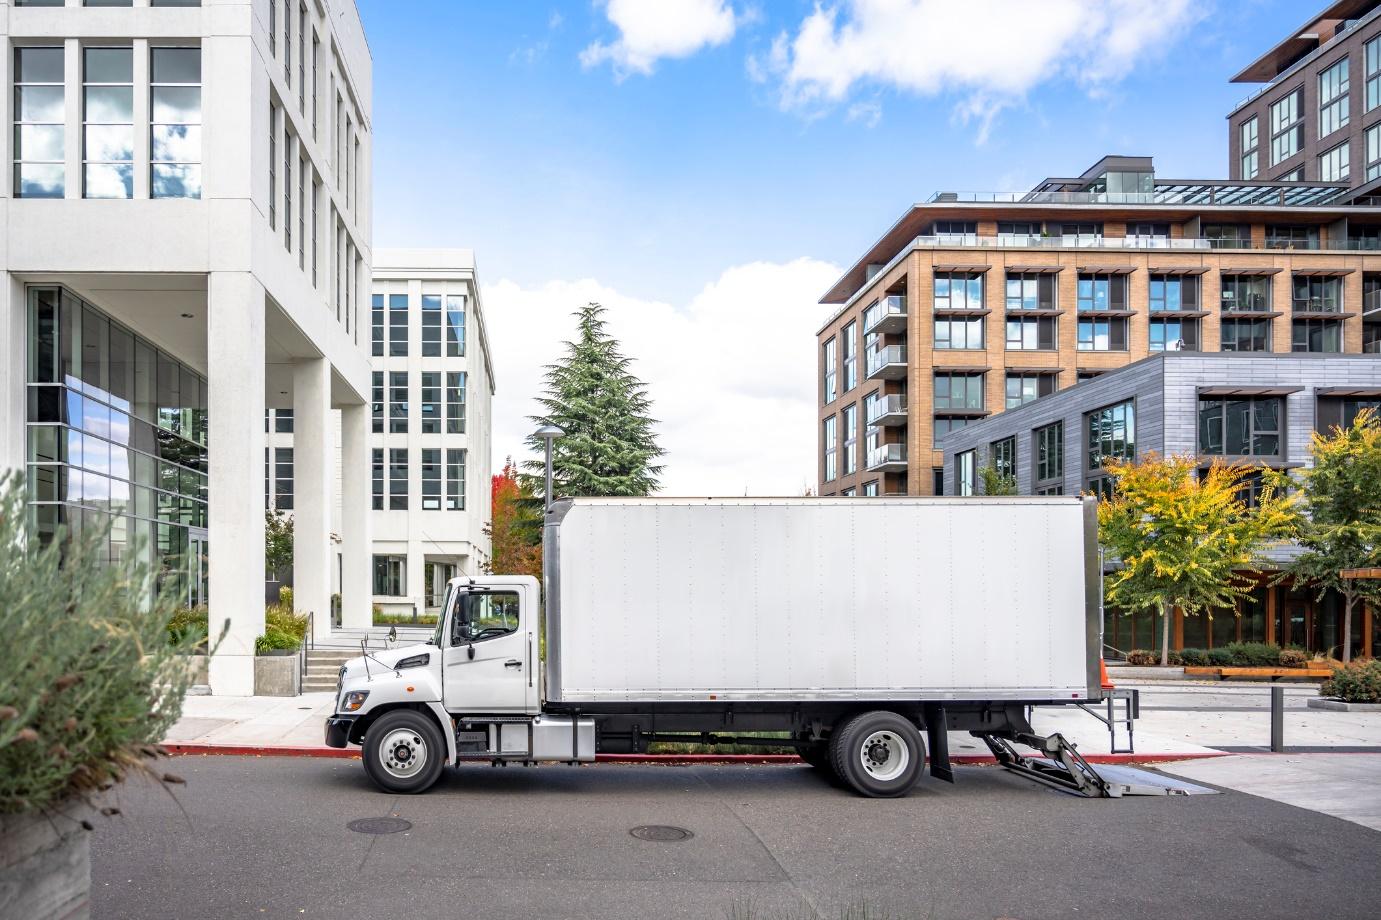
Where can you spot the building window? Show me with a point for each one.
(1373, 140)
(1335, 165)
(398, 325)
(1284, 236)
(1333, 98)
(1173, 334)
(273, 167)
(1003, 456)
(1031, 292)
(39, 122)
(1313, 294)
(1110, 435)
(377, 477)
(455, 325)
(1316, 335)
(377, 405)
(431, 402)
(390, 573)
(283, 478)
(175, 124)
(1048, 448)
(944, 424)
(455, 479)
(850, 337)
(1031, 333)
(316, 54)
(1240, 427)
(1334, 412)
(959, 291)
(958, 332)
(316, 196)
(958, 392)
(1245, 293)
(1025, 388)
(455, 402)
(376, 325)
(1287, 126)
(1249, 136)
(1227, 236)
(965, 473)
(398, 402)
(1099, 293)
(870, 489)
(1174, 292)
(831, 369)
(850, 417)
(1105, 334)
(398, 479)
(431, 479)
(107, 122)
(287, 186)
(1246, 335)
(431, 325)
(831, 450)
(283, 421)
(1371, 52)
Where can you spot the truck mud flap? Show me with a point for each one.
(937, 738)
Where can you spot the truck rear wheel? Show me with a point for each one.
(878, 754)
(404, 752)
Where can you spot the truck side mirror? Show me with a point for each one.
(470, 651)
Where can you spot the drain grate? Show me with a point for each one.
(661, 833)
(379, 825)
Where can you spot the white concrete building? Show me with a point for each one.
(432, 392)
(186, 243)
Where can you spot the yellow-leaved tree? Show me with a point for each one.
(1185, 537)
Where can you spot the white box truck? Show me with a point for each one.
(850, 627)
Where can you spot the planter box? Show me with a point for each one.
(1118, 672)
(1340, 706)
(277, 675)
(45, 864)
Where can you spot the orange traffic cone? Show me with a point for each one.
(1103, 674)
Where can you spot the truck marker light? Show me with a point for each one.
(409, 689)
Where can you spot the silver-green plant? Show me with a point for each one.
(89, 679)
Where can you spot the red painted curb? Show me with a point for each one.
(305, 750)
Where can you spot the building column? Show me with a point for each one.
(235, 406)
(356, 485)
(14, 338)
(313, 475)
(417, 570)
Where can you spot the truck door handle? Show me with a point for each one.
(513, 663)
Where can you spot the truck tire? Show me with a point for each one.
(404, 752)
(878, 754)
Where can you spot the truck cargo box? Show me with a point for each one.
(809, 599)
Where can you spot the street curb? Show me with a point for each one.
(178, 748)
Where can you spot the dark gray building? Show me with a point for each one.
(1254, 408)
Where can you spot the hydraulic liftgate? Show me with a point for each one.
(1062, 766)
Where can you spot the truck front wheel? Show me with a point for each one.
(878, 754)
(404, 752)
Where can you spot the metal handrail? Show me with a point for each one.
(307, 644)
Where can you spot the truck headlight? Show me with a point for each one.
(414, 661)
(353, 700)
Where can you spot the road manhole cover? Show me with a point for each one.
(661, 833)
(379, 825)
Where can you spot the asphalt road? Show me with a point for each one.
(255, 837)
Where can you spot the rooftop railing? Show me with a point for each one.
(1215, 192)
(1098, 241)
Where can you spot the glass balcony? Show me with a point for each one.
(888, 411)
(1371, 302)
(887, 458)
(887, 363)
(887, 315)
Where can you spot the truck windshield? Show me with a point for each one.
(486, 615)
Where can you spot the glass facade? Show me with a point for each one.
(117, 435)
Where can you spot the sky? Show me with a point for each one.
(707, 168)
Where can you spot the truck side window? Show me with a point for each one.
(484, 615)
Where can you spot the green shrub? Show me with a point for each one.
(403, 619)
(91, 681)
(1194, 656)
(1293, 658)
(1141, 656)
(1254, 654)
(283, 628)
(1219, 657)
(1356, 682)
(185, 622)
(285, 597)
(1175, 659)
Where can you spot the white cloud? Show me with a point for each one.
(649, 31)
(991, 51)
(731, 375)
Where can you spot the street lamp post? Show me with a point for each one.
(548, 433)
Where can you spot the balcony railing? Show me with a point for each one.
(887, 458)
(1315, 305)
(1098, 241)
(887, 362)
(888, 410)
(1371, 302)
(887, 315)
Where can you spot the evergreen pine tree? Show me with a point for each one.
(609, 446)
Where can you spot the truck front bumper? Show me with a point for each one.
(338, 730)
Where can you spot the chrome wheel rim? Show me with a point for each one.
(884, 755)
(403, 753)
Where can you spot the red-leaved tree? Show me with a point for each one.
(515, 531)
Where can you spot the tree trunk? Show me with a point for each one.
(1348, 600)
(1165, 634)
